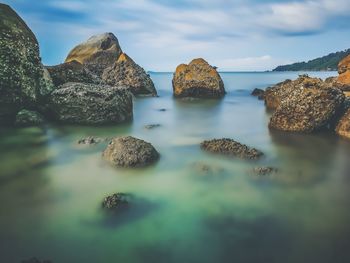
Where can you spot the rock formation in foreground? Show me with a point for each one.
(344, 71)
(130, 152)
(72, 71)
(231, 148)
(308, 109)
(22, 80)
(97, 53)
(79, 103)
(343, 126)
(197, 79)
(125, 72)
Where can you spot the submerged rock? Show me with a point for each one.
(27, 118)
(197, 79)
(231, 148)
(116, 201)
(125, 72)
(130, 152)
(205, 169)
(97, 53)
(35, 260)
(258, 93)
(79, 103)
(90, 140)
(71, 71)
(343, 126)
(261, 171)
(22, 81)
(307, 110)
(152, 126)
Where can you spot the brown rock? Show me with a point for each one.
(197, 79)
(125, 72)
(343, 127)
(344, 71)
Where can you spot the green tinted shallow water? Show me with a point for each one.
(51, 188)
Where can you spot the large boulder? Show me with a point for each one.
(275, 94)
(97, 53)
(197, 79)
(72, 71)
(125, 72)
(80, 103)
(130, 152)
(308, 110)
(344, 71)
(343, 126)
(231, 148)
(22, 80)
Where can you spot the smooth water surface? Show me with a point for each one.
(51, 188)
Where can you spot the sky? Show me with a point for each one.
(234, 35)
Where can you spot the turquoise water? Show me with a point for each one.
(51, 188)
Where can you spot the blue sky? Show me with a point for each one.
(237, 35)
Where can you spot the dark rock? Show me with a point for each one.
(152, 126)
(72, 71)
(97, 53)
(35, 260)
(261, 171)
(308, 110)
(27, 118)
(206, 169)
(162, 110)
(130, 152)
(22, 81)
(125, 72)
(258, 93)
(197, 79)
(116, 201)
(231, 148)
(90, 140)
(79, 103)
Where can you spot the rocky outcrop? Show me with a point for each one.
(275, 94)
(258, 93)
(130, 152)
(116, 201)
(343, 126)
(22, 80)
(125, 72)
(197, 79)
(231, 148)
(27, 118)
(79, 103)
(344, 71)
(97, 53)
(307, 109)
(71, 71)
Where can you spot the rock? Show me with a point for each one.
(197, 79)
(307, 110)
(22, 82)
(261, 171)
(27, 118)
(116, 201)
(343, 126)
(90, 140)
(344, 71)
(152, 126)
(275, 94)
(207, 170)
(231, 148)
(71, 71)
(35, 260)
(130, 152)
(97, 53)
(125, 72)
(79, 103)
(258, 93)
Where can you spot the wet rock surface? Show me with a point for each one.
(27, 118)
(258, 93)
(79, 103)
(308, 110)
(125, 72)
(22, 81)
(116, 201)
(197, 79)
(130, 152)
(264, 170)
(343, 126)
(231, 148)
(152, 126)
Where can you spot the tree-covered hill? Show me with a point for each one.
(329, 62)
